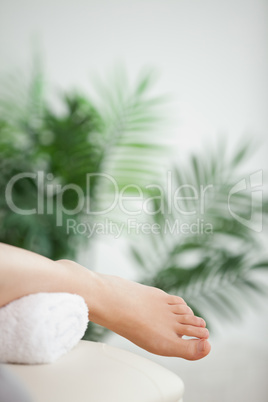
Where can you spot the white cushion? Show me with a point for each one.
(96, 372)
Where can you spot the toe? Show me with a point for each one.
(191, 320)
(181, 309)
(175, 300)
(193, 349)
(190, 330)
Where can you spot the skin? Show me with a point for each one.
(147, 316)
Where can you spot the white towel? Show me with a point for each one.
(41, 327)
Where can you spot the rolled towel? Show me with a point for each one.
(41, 327)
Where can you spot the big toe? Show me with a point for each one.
(193, 349)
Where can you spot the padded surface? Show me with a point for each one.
(96, 372)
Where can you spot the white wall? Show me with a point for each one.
(212, 55)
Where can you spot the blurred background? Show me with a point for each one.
(141, 90)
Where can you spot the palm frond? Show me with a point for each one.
(133, 128)
(204, 268)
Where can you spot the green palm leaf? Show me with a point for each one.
(133, 128)
(206, 269)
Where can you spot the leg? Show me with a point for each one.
(147, 316)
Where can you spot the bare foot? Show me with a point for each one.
(147, 316)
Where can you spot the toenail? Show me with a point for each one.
(201, 346)
(207, 333)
